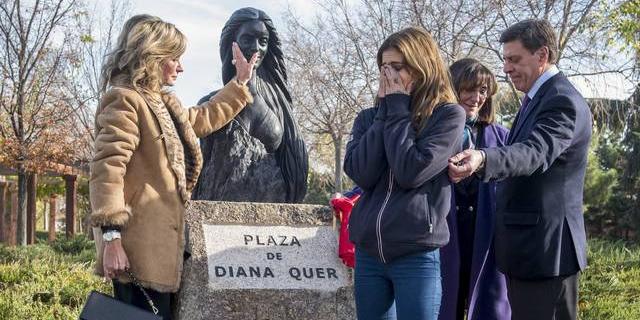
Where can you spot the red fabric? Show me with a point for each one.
(346, 249)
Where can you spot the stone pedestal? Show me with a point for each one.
(263, 261)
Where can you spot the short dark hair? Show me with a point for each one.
(534, 34)
(469, 74)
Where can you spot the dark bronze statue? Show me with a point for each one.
(260, 155)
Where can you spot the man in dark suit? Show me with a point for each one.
(540, 241)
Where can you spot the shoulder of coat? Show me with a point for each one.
(129, 95)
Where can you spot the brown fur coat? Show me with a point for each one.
(146, 162)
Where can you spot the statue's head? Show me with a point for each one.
(254, 32)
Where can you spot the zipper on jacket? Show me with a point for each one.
(429, 220)
(379, 220)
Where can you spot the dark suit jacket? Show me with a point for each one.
(539, 224)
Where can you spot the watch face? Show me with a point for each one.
(110, 236)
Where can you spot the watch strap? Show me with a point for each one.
(110, 228)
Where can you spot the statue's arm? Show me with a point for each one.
(212, 115)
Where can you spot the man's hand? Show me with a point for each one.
(114, 259)
(464, 164)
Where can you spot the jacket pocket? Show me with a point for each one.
(521, 218)
(355, 222)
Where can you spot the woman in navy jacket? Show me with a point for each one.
(398, 155)
(471, 283)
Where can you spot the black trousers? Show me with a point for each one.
(466, 235)
(129, 293)
(547, 299)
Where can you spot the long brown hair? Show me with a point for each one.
(431, 82)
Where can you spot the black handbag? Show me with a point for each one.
(100, 306)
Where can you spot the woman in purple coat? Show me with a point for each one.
(471, 283)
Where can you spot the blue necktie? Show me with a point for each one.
(523, 109)
(525, 104)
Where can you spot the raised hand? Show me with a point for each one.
(393, 82)
(382, 89)
(244, 69)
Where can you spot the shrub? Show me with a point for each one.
(39, 282)
(72, 246)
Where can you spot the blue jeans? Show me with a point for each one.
(413, 282)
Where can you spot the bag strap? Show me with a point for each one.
(146, 295)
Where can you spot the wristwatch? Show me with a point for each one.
(111, 235)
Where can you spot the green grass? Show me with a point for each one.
(610, 286)
(43, 282)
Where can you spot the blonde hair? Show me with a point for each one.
(144, 43)
(431, 82)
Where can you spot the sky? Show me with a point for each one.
(202, 21)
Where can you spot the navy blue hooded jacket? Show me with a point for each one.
(407, 193)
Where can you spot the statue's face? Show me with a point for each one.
(253, 37)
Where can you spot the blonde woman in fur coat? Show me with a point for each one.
(147, 158)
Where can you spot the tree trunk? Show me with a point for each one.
(52, 217)
(337, 173)
(3, 209)
(45, 216)
(32, 181)
(13, 221)
(70, 219)
(22, 208)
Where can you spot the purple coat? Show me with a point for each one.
(487, 289)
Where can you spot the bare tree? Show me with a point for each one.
(459, 26)
(34, 51)
(583, 49)
(97, 33)
(334, 73)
